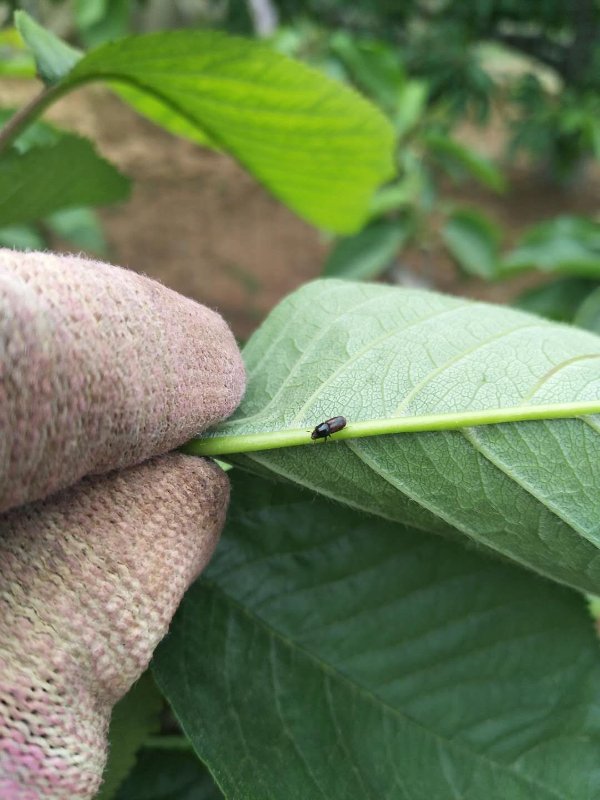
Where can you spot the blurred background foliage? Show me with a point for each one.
(436, 68)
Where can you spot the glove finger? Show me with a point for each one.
(101, 368)
(90, 580)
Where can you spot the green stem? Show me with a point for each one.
(272, 440)
(26, 115)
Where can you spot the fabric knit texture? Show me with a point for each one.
(101, 368)
(90, 579)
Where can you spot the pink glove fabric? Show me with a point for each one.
(101, 372)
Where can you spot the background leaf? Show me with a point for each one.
(474, 242)
(558, 300)
(21, 237)
(134, 718)
(370, 252)
(37, 134)
(168, 775)
(316, 144)
(528, 491)
(79, 227)
(588, 314)
(458, 159)
(100, 21)
(566, 245)
(53, 57)
(15, 58)
(35, 184)
(328, 654)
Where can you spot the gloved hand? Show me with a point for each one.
(101, 372)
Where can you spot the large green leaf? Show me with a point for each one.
(326, 654)
(315, 143)
(62, 175)
(529, 491)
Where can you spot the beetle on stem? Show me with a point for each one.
(325, 429)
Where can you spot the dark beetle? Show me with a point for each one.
(325, 429)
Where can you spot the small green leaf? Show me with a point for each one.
(15, 60)
(134, 719)
(405, 192)
(527, 490)
(370, 252)
(90, 12)
(101, 21)
(558, 300)
(411, 105)
(474, 242)
(566, 245)
(588, 314)
(316, 144)
(457, 159)
(37, 134)
(373, 66)
(21, 237)
(54, 58)
(43, 180)
(80, 227)
(168, 775)
(327, 654)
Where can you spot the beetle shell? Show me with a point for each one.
(325, 429)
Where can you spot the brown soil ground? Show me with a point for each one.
(200, 224)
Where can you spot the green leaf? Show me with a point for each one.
(411, 106)
(588, 314)
(458, 160)
(565, 245)
(21, 237)
(168, 775)
(528, 491)
(326, 654)
(474, 242)
(157, 111)
(100, 21)
(558, 300)
(37, 134)
(90, 12)
(401, 194)
(43, 180)
(314, 143)
(374, 66)
(80, 227)
(15, 60)
(53, 58)
(134, 718)
(370, 252)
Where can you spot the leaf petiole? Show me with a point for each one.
(217, 445)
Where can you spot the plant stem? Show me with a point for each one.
(26, 115)
(271, 440)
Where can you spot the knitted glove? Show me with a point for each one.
(99, 369)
